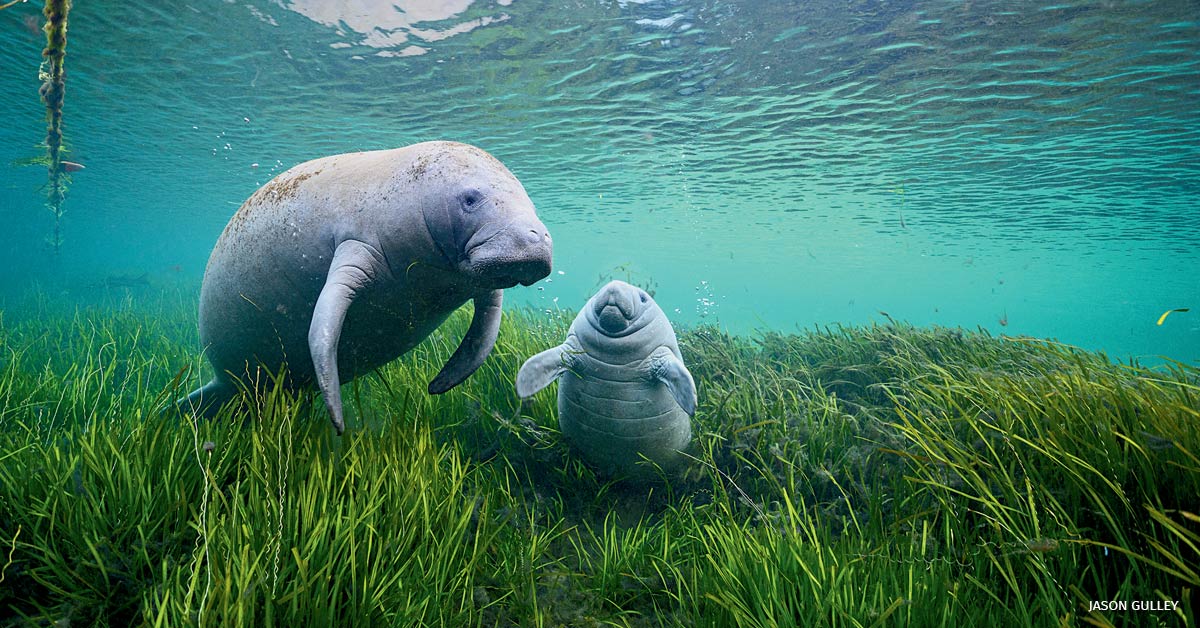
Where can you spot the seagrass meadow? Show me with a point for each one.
(884, 475)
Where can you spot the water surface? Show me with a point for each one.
(1031, 168)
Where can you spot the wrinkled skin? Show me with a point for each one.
(344, 263)
(623, 390)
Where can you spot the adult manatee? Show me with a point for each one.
(623, 390)
(344, 263)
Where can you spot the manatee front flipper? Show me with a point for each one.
(537, 372)
(207, 400)
(668, 369)
(475, 346)
(354, 267)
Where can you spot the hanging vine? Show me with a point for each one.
(52, 90)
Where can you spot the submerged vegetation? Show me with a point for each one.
(53, 89)
(868, 476)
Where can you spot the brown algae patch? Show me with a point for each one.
(278, 189)
(418, 169)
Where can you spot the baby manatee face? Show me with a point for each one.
(481, 219)
(620, 309)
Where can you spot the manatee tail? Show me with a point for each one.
(207, 400)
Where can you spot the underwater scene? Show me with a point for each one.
(599, 313)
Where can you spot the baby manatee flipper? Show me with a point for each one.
(668, 369)
(475, 346)
(207, 400)
(538, 371)
(355, 265)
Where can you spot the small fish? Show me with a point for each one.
(70, 166)
(1004, 319)
(1164, 315)
(902, 225)
(1155, 442)
(1041, 546)
(32, 25)
(124, 281)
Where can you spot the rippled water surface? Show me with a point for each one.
(1029, 167)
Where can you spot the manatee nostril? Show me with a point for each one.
(537, 237)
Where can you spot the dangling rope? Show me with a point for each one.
(52, 90)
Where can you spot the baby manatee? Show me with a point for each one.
(624, 394)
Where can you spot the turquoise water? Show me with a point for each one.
(1029, 168)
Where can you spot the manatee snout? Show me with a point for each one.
(516, 254)
(614, 307)
(611, 319)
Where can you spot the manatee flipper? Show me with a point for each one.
(668, 369)
(475, 346)
(354, 267)
(207, 400)
(538, 371)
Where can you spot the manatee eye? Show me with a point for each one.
(642, 296)
(470, 199)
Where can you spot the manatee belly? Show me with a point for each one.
(617, 418)
(243, 330)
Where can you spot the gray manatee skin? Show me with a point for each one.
(341, 264)
(623, 390)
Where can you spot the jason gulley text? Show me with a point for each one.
(1132, 605)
